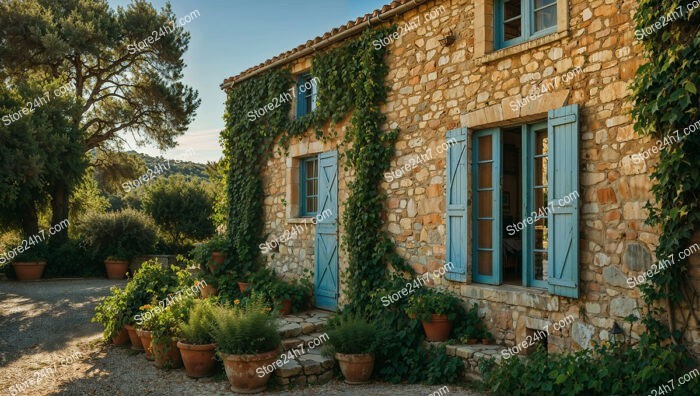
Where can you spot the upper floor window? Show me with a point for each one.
(306, 94)
(517, 21)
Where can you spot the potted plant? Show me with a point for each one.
(247, 339)
(196, 343)
(209, 287)
(353, 343)
(212, 254)
(143, 330)
(487, 338)
(165, 327)
(287, 296)
(436, 310)
(119, 236)
(29, 265)
(112, 312)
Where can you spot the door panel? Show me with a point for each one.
(326, 241)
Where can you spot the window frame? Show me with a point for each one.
(527, 23)
(310, 95)
(528, 203)
(303, 178)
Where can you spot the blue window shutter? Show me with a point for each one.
(562, 218)
(301, 101)
(456, 216)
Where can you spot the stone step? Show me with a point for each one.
(292, 343)
(309, 369)
(303, 323)
(471, 354)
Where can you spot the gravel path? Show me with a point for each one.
(48, 343)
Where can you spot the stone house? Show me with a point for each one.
(517, 164)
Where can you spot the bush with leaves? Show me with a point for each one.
(120, 235)
(165, 325)
(182, 209)
(352, 336)
(247, 328)
(198, 328)
(113, 313)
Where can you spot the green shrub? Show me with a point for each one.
(603, 370)
(113, 313)
(353, 336)
(165, 324)
(246, 328)
(198, 327)
(181, 209)
(121, 235)
(72, 258)
(276, 290)
(428, 301)
(201, 254)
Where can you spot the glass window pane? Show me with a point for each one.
(311, 205)
(485, 152)
(485, 236)
(541, 146)
(511, 9)
(541, 234)
(541, 3)
(512, 29)
(310, 188)
(485, 204)
(485, 263)
(485, 175)
(540, 266)
(546, 17)
(540, 199)
(541, 171)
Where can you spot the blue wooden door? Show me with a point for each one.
(326, 243)
(457, 205)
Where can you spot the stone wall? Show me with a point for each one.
(435, 89)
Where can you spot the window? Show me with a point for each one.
(308, 197)
(518, 21)
(524, 215)
(306, 94)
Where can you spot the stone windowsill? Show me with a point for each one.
(512, 295)
(518, 48)
(299, 220)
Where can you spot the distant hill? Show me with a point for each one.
(185, 168)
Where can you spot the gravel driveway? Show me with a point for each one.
(48, 343)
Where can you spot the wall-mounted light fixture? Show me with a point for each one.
(448, 39)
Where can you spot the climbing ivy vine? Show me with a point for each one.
(666, 100)
(350, 81)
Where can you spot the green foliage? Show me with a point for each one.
(353, 336)
(113, 312)
(666, 100)
(604, 370)
(36, 252)
(165, 324)
(440, 367)
(469, 325)
(87, 198)
(275, 290)
(428, 301)
(72, 259)
(121, 235)
(246, 328)
(198, 327)
(181, 209)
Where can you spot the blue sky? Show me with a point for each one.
(230, 36)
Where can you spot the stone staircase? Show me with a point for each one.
(470, 355)
(310, 367)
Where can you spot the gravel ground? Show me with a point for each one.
(46, 336)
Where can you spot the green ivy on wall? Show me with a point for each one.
(666, 100)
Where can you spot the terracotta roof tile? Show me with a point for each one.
(309, 43)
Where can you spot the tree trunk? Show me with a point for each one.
(59, 211)
(30, 223)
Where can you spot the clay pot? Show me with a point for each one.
(485, 341)
(167, 355)
(122, 337)
(217, 259)
(136, 344)
(198, 359)
(438, 329)
(146, 336)
(471, 341)
(243, 286)
(241, 371)
(208, 291)
(285, 307)
(29, 271)
(116, 269)
(357, 369)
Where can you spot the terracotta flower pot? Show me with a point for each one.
(243, 286)
(485, 341)
(29, 271)
(167, 355)
(217, 260)
(471, 341)
(122, 337)
(438, 329)
(146, 336)
(208, 291)
(135, 340)
(286, 307)
(198, 359)
(357, 369)
(116, 269)
(241, 371)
